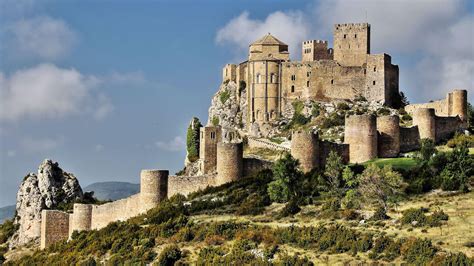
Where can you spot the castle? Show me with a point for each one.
(345, 72)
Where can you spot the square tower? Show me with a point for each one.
(209, 137)
(229, 73)
(351, 43)
(315, 50)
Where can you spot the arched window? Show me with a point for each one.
(273, 78)
(375, 69)
(292, 88)
(373, 83)
(332, 81)
(307, 83)
(258, 78)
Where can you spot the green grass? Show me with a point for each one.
(397, 163)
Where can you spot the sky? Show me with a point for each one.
(107, 88)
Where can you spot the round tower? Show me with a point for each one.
(425, 119)
(153, 187)
(229, 162)
(81, 217)
(459, 104)
(305, 148)
(389, 136)
(361, 135)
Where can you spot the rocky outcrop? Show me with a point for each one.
(227, 107)
(47, 189)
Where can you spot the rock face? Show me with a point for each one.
(227, 108)
(47, 189)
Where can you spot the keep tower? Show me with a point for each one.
(351, 43)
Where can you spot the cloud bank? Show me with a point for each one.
(434, 39)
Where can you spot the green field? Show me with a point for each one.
(397, 163)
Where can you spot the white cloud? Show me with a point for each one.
(436, 35)
(104, 107)
(290, 27)
(43, 37)
(34, 145)
(47, 91)
(176, 144)
(125, 78)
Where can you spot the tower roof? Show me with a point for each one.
(268, 40)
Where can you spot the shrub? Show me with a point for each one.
(7, 229)
(414, 215)
(286, 259)
(253, 204)
(291, 208)
(452, 259)
(380, 214)
(333, 120)
(332, 205)
(287, 179)
(461, 139)
(418, 251)
(383, 111)
(436, 218)
(342, 106)
(242, 86)
(224, 96)
(169, 255)
(349, 214)
(407, 117)
(215, 121)
(315, 110)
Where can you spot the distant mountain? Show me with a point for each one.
(112, 190)
(7, 212)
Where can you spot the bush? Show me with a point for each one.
(437, 218)
(7, 229)
(286, 259)
(418, 251)
(253, 204)
(224, 96)
(461, 139)
(215, 121)
(414, 215)
(458, 259)
(169, 256)
(379, 215)
(342, 106)
(333, 120)
(383, 111)
(291, 208)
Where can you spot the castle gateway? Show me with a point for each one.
(345, 72)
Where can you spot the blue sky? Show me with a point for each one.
(106, 88)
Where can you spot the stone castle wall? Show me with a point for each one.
(119, 210)
(361, 135)
(54, 227)
(254, 165)
(265, 144)
(409, 139)
(326, 147)
(187, 184)
(455, 104)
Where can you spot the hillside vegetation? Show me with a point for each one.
(336, 215)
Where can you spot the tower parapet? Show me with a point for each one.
(305, 148)
(229, 73)
(361, 135)
(425, 119)
(153, 188)
(389, 136)
(229, 162)
(351, 43)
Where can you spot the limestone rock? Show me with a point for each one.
(47, 189)
(226, 107)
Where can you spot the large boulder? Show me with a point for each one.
(48, 189)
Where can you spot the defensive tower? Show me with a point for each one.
(81, 218)
(361, 135)
(305, 148)
(209, 137)
(351, 43)
(425, 119)
(389, 136)
(153, 188)
(229, 162)
(315, 50)
(458, 104)
(229, 72)
(54, 227)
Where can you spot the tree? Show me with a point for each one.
(192, 139)
(427, 150)
(458, 170)
(470, 116)
(333, 170)
(380, 185)
(287, 178)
